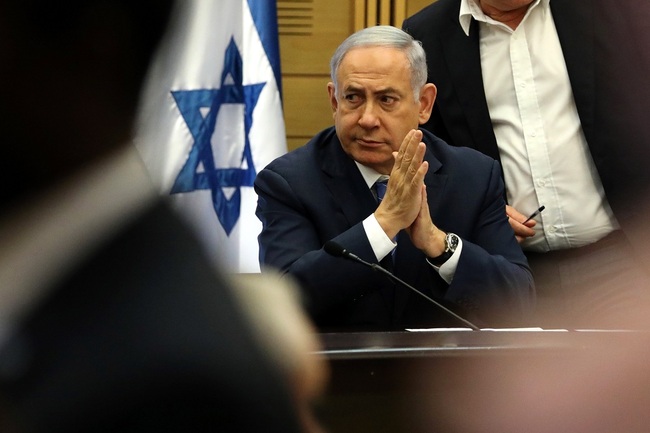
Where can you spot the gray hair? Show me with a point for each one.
(386, 36)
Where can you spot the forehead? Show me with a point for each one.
(374, 64)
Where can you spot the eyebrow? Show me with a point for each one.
(387, 90)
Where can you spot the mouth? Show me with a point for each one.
(369, 143)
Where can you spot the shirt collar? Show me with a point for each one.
(470, 9)
(370, 175)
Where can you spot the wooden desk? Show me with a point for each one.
(487, 381)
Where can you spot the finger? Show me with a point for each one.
(515, 214)
(418, 157)
(530, 224)
(425, 203)
(418, 178)
(412, 139)
(412, 170)
(518, 225)
(399, 156)
(413, 148)
(521, 230)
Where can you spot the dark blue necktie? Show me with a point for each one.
(380, 189)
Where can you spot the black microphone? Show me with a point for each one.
(334, 249)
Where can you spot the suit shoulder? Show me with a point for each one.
(447, 153)
(303, 158)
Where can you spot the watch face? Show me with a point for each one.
(452, 242)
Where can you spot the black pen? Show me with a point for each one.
(534, 214)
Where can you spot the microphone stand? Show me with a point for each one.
(335, 249)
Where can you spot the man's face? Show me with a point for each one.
(374, 107)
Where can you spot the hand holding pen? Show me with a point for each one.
(522, 226)
(534, 214)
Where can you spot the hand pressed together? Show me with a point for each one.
(405, 204)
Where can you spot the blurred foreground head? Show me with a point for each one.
(71, 74)
(127, 326)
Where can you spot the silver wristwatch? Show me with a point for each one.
(451, 243)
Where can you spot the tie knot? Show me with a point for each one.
(380, 189)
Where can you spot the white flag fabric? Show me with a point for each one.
(211, 118)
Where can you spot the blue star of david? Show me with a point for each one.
(190, 103)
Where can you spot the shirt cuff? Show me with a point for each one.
(380, 243)
(448, 269)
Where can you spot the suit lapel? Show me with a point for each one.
(463, 58)
(435, 182)
(345, 182)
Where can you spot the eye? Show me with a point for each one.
(387, 99)
(351, 97)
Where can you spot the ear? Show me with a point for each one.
(427, 98)
(332, 96)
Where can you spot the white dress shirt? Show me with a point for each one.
(382, 245)
(543, 151)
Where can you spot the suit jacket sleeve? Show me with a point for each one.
(296, 226)
(492, 272)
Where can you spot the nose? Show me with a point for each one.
(369, 116)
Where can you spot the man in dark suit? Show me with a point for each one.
(440, 225)
(111, 317)
(556, 91)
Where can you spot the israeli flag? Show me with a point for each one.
(211, 118)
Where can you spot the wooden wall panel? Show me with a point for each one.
(306, 107)
(310, 31)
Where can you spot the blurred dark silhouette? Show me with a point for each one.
(111, 318)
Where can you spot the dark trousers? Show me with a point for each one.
(597, 286)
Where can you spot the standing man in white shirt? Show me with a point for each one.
(544, 88)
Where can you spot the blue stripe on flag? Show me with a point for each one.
(264, 14)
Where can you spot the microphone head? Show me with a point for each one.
(334, 249)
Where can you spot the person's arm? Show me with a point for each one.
(291, 241)
(492, 273)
